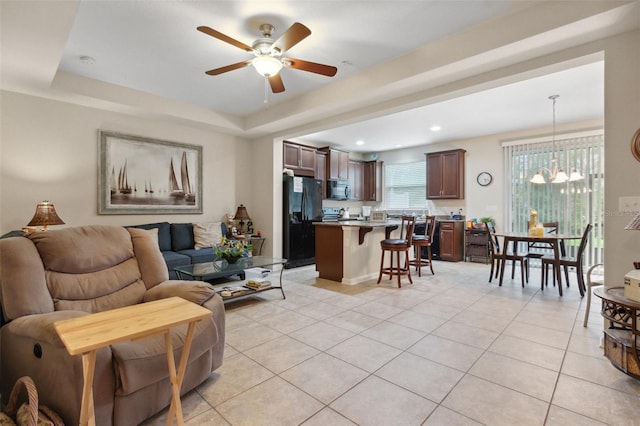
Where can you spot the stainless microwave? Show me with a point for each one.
(338, 189)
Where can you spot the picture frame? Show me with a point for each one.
(139, 175)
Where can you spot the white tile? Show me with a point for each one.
(426, 378)
(272, 402)
(521, 376)
(493, 404)
(337, 377)
(597, 402)
(364, 353)
(447, 352)
(378, 402)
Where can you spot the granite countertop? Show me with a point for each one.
(356, 222)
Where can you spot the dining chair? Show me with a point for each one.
(398, 246)
(499, 258)
(567, 262)
(595, 278)
(535, 250)
(423, 240)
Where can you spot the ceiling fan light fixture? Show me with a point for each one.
(266, 66)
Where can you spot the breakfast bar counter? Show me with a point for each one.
(349, 251)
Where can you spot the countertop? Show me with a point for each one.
(388, 222)
(356, 222)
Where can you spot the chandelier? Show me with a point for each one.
(556, 173)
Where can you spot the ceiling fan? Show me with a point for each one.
(269, 59)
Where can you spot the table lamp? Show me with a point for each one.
(45, 215)
(241, 216)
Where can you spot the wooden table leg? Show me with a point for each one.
(175, 410)
(556, 267)
(503, 262)
(87, 414)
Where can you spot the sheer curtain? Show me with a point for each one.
(572, 204)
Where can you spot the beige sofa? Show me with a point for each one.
(54, 275)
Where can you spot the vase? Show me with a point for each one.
(232, 259)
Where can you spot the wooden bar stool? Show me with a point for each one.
(397, 246)
(423, 240)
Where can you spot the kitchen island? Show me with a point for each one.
(349, 251)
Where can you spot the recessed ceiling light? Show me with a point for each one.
(85, 59)
(359, 142)
(435, 128)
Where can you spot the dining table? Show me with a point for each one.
(555, 241)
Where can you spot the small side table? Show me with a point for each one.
(257, 242)
(85, 335)
(622, 338)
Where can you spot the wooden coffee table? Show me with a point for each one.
(85, 335)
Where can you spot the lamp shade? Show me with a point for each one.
(241, 213)
(538, 178)
(45, 215)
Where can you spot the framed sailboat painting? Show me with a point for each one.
(140, 175)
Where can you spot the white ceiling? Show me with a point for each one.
(507, 108)
(153, 46)
(150, 60)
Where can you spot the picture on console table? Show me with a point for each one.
(139, 175)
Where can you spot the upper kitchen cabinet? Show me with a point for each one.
(370, 187)
(337, 163)
(356, 179)
(445, 174)
(300, 158)
(321, 171)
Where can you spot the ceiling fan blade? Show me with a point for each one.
(299, 64)
(277, 86)
(218, 71)
(225, 38)
(294, 35)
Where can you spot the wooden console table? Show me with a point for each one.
(85, 335)
(621, 339)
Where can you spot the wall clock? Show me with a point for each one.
(484, 178)
(635, 145)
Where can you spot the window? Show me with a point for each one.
(572, 204)
(405, 186)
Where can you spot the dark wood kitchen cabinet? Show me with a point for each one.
(337, 163)
(369, 185)
(445, 174)
(451, 240)
(356, 181)
(321, 171)
(299, 158)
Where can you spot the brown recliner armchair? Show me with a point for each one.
(54, 275)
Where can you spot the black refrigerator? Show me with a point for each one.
(302, 205)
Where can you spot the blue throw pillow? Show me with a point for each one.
(182, 236)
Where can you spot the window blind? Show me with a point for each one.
(404, 186)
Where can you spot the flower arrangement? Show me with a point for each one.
(230, 249)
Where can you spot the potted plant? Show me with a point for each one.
(491, 222)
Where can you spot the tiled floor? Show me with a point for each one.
(451, 349)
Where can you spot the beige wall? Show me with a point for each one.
(49, 151)
(622, 119)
